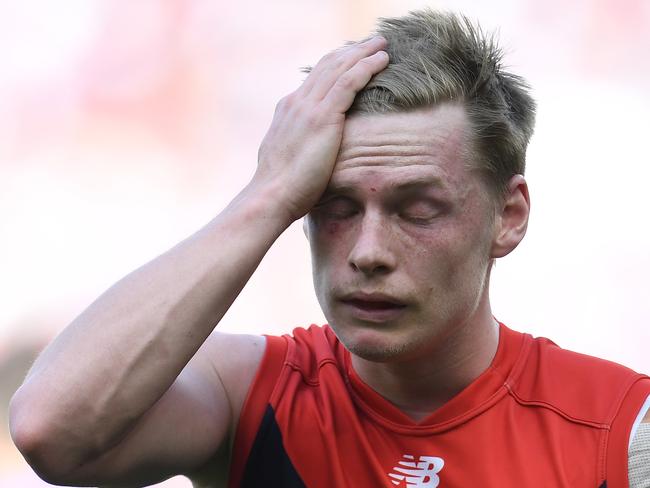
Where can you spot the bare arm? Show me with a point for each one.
(94, 383)
(122, 395)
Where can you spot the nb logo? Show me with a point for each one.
(422, 473)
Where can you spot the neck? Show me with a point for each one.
(421, 385)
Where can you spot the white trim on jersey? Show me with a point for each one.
(639, 418)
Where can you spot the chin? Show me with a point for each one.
(373, 344)
(377, 354)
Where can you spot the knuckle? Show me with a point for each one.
(311, 116)
(329, 57)
(346, 82)
(284, 104)
(321, 118)
(332, 59)
(365, 62)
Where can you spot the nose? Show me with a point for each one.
(372, 252)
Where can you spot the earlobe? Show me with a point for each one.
(512, 218)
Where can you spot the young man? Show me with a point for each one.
(405, 153)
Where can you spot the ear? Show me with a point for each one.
(511, 218)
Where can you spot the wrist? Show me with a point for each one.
(262, 203)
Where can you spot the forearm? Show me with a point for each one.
(114, 361)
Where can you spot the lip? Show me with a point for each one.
(373, 307)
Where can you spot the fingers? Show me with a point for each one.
(341, 95)
(325, 74)
(301, 145)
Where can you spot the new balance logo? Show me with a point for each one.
(422, 473)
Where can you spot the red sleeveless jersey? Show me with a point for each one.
(539, 416)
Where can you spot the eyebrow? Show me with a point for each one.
(416, 183)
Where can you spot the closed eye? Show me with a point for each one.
(336, 208)
(420, 210)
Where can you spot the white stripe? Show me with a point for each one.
(639, 418)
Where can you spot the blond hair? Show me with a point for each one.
(437, 57)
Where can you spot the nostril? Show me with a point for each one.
(370, 268)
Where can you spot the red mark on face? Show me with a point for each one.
(332, 228)
(373, 189)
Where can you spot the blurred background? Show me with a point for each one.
(126, 126)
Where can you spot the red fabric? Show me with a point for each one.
(539, 416)
(255, 404)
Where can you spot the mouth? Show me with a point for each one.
(373, 307)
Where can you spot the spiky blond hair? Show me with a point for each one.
(439, 56)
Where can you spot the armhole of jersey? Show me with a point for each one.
(621, 428)
(639, 418)
(255, 405)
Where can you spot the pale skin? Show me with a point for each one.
(404, 217)
(139, 387)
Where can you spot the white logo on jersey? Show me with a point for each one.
(420, 474)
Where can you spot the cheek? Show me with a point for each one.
(332, 229)
(429, 243)
(323, 230)
(445, 256)
(328, 242)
